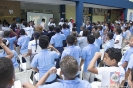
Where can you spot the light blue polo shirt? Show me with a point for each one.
(127, 55)
(124, 35)
(97, 43)
(131, 30)
(57, 40)
(14, 59)
(73, 51)
(66, 32)
(130, 64)
(23, 43)
(44, 60)
(11, 42)
(76, 83)
(87, 54)
(109, 44)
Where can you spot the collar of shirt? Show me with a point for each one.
(75, 81)
(44, 50)
(90, 44)
(71, 46)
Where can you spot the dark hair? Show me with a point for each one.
(118, 31)
(95, 27)
(70, 39)
(132, 74)
(22, 20)
(64, 26)
(100, 27)
(51, 28)
(110, 35)
(114, 53)
(91, 39)
(25, 23)
(68, 26)
(57, 29)
(69, 67)
(36, 35)
(85, 33)
(96, 34)
(74, 29)
(22, 32)
(13, 26)
(74, 24)
(43, 20)
(43, 41)
(6, 71)
(6, 33)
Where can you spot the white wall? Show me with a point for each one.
(130, 11)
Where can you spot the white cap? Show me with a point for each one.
(62, 19)
(71, 18)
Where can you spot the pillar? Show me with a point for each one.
(125, 11)
(63, 11)
(79, 14)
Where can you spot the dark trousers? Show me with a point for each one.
(60, 49)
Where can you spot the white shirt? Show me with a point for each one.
(43, 25)
(128, 34)
(1, 33)
(5, 28)
(81, 33)
(118, 45)
(70, 25)
(50, 24)
(61, 23)
(32, 46)
(109, 73)
(29, 31)
(82, 42)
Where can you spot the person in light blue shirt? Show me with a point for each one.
(14, 59)
(45, 59)
(110, 41)
(57, 42)
(69, 68)
(23, 42)
(71, 49)
(131, 28)
(128, 53)
(11, 40)
(57, 39)
(65, 30)
(97, 41)
(87, 54)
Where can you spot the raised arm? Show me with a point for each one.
(6, 49)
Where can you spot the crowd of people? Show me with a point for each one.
(70, 50)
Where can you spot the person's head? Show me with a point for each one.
(6, 24)
(87, 23)
(71, 19)
(69, 67)
(82, 28)
(85, 33)
(36, 35)
(22, 20)
(110, 35)
(74, 24)
(130, 78)
(70, 39)
(6, 33)
(74, 29)
(43, 20)
(25, 23)
(6, 42)
(51, 28)
(118, 31)
(22, 32)
(39, 28)
(57, 29)
(96, 34)
(105, 31)
(44, 41)
(13, 26)
(6, 72)
(100, 28)
(112, 56)
(64, 26)
(90, 39)
(94, 29)
(131, 41)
